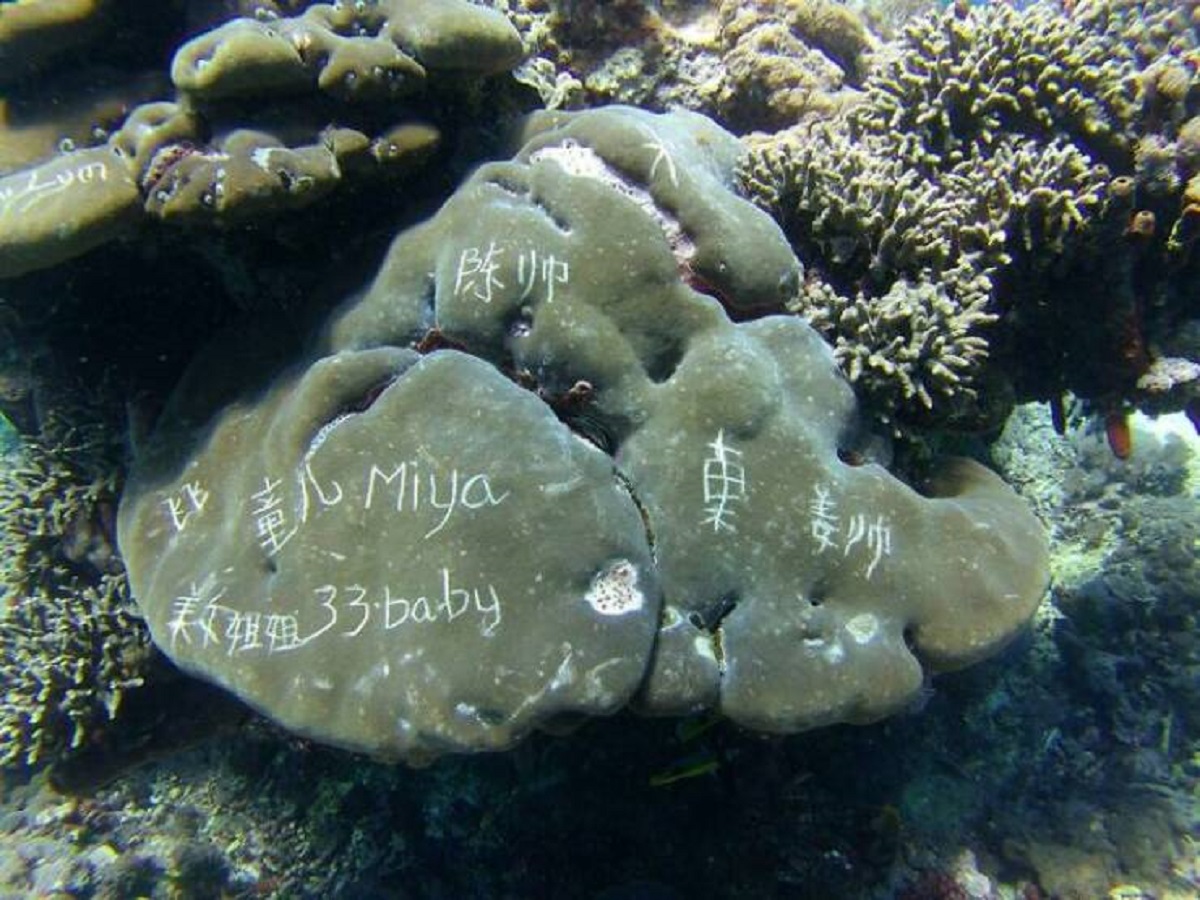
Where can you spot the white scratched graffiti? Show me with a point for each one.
(404, 488)
(476, 275)
(724, 480)
(185, 503)
(823, 520)
(443, 493)
(874, 534)
(662, 156)
(864, 535)
(272, 524)
(478, 272)
(328, 494)
(203, 615)
(534, 267)
(443, 605)
(191, 611)
(22, 193)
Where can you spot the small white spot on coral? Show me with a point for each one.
(466, 711)
(261, 157)
(704, 648)
(614, 590)
(565, 674)
(863, 627)
(576, 159)
(367, 682)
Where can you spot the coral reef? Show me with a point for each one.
(749, 65)
(72, 645)
(992, 248)
(1111, 706)
(1066, 768)
(1025, 204)
(695, 443)
(238, 143)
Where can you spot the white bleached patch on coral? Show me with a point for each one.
(614, 591)
(863, 628)
(583, 162)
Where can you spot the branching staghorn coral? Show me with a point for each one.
(914, 341)
(1018, 158)
(71, 646)
(918, 252)
(1143, 30)
(960, 82)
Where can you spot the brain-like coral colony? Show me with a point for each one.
(567, 454)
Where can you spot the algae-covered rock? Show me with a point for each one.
(538, 468)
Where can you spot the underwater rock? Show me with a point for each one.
(543, 464)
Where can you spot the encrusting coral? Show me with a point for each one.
(748, 65)
(782, 61)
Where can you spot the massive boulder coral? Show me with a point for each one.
(352, 50)
(565, 455)
(35, 32)
(243, 139)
